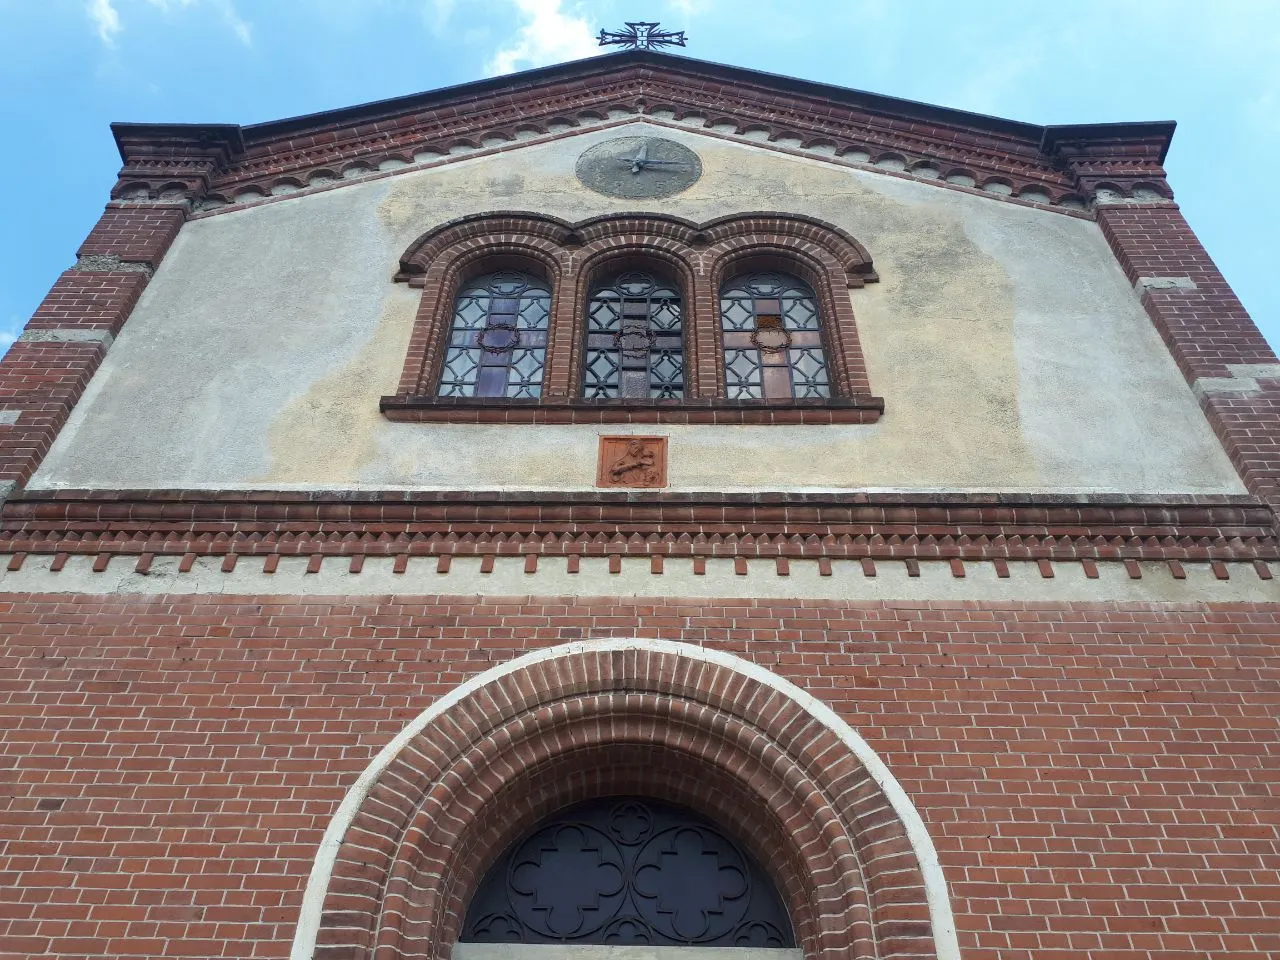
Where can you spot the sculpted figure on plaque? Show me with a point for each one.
(635, 464)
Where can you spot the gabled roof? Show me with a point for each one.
(834, 120)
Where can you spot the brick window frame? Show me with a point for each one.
(615, 260)
(572, 257)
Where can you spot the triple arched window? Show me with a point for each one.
(743, 320)
(635, 339)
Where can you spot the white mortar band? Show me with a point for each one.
(1255, 371)
(942, 921)
(1205, 386)
(9, 416)
(1244, 379)
(1165, 283)
(67, 335)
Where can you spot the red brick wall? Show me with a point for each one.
(135, 233)
(1101, 781)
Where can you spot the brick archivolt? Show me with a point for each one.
(412, 839)
(572, 256)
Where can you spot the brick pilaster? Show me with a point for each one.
(40, 381)
(47, 369)
(1215, 343)
(134, 233)
(166, 172)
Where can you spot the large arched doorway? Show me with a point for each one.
(732, 745)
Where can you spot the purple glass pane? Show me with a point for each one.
(777, 382)
(492, 382)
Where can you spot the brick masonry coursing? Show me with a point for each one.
(1097, 779)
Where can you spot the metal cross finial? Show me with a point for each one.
(642, 36)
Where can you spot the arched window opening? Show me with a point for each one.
(635, 340)
(628, 870)
(772, 339)
(498, 341)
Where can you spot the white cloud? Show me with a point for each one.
(437, 14)
(105, 18)
(238, 25)
(9, 332)
(549, 35)
(690, 8)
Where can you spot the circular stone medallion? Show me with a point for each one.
(639, 168)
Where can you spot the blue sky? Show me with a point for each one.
(70, 67)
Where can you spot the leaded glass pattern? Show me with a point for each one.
(498, 341)
(772, 339)
(635, 342)
(628, 871)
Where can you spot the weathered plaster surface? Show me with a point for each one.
(1011, 351)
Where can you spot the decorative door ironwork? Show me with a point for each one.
(772, 339)
(498, 341)
(627, 870)
(635, 342)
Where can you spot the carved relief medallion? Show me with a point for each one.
(639, 168)
(632, 462)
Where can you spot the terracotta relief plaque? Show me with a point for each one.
(632, 462)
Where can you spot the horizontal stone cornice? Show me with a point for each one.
(934, 143)
(678, 524)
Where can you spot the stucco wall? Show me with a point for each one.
(1010, 350)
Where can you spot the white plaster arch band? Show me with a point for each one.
(942, 921)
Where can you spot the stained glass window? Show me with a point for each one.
(628, 871)
(635, 346)
(772, 339)
(498, 342)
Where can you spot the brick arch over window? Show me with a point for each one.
(440, 261)
(698, 255)
(413, 837)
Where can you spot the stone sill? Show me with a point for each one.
(427, 409)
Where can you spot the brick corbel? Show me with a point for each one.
(1112, 163)
(172, 164)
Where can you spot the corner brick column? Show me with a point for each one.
(1220, 351)
(47, 369)
(166, 171)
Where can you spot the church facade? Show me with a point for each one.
(640, 503)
